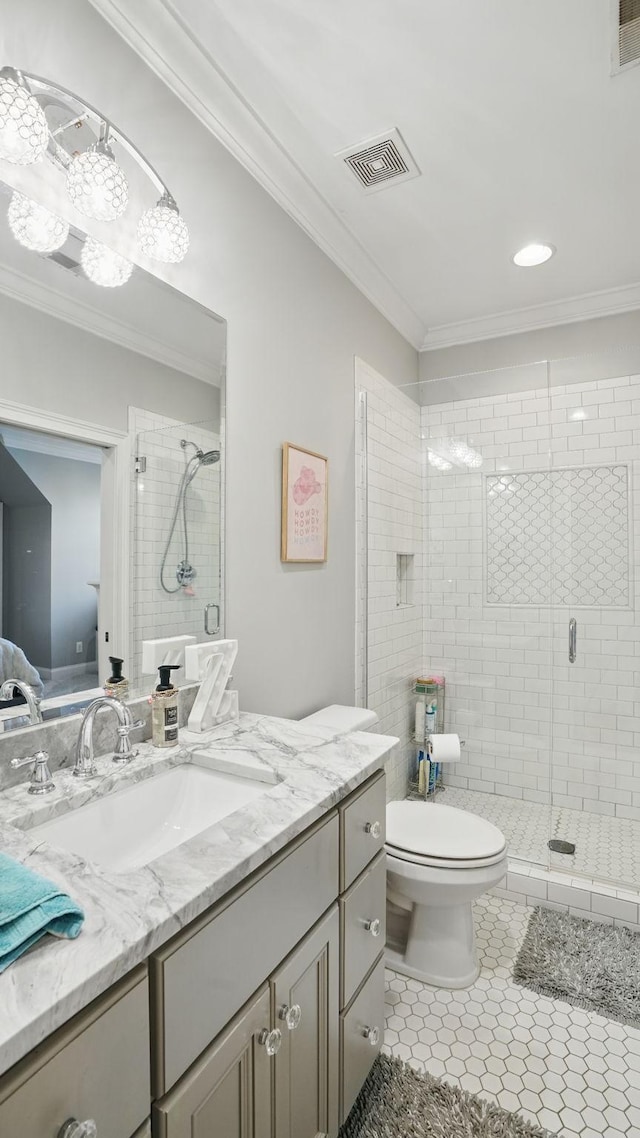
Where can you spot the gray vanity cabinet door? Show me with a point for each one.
(227, 1091)
(96, 1066)
(306, 1067)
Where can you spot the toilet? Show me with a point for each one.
(439, 861)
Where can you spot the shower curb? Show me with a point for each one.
(529, 884)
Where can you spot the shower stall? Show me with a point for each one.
(509, 502)
(178, 532)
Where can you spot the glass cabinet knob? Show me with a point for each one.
(74, 1129)
(374, 927)
(291, 1014)
(373, 1035)
(271, 1041)
(373, 828)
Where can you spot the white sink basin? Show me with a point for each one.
(131, 827)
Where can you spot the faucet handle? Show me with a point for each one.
(124, 752)
(41, 779)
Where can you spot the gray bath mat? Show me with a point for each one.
(590, 965)
(398, 1102)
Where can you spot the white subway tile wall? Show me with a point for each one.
(538, 728)
(535, 724)
(155, 612)
(394, 526)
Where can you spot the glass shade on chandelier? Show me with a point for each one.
(34, 226)
(24, 133)
(40, 118)
(96, 184)
(162, 234)
(104, 266)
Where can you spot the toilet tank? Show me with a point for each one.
(342, 718)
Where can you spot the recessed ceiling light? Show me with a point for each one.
(533, 255)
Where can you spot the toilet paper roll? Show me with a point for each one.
(444, 748)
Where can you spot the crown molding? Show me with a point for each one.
(590, 306)
(18, 286)
(155, 31)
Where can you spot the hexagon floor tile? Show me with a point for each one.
(572, 1072)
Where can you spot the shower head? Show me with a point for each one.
(208, 457)
(204, 458)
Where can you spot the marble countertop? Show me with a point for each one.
(129, 914)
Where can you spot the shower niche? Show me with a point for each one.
(177, 539)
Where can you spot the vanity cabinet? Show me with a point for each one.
(260, 1019)
(362, 907)
(96, 1066)
(277, 1060)
(203, 976)
(228, 1091)
(305, 1006)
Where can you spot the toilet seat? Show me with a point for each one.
(445, 837)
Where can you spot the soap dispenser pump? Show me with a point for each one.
(117, 686)
(164, 709)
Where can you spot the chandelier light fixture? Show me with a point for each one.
(95, 183)
(103, 265)
(162, 234)
(34, 226)
(24, 132)
(38, 118)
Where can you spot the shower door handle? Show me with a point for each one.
(573, 633)
(207, 620)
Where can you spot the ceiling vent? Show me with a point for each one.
(380, 161)
(627, 34)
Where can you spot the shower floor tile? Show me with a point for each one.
(569, 1071)
(607, 849)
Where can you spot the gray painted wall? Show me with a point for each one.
(73, 489)
(57, 366)
(295, 325)
(586, 350)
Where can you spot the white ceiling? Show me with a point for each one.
(508, 106)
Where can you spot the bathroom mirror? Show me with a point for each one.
(111, 472)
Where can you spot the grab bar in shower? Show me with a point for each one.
(573, 634)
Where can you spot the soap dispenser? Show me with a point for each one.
(164, 709)
(117, 686)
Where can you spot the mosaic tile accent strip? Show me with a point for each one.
(572, 1072)
(558, 537)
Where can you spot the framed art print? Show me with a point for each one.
(304, 505)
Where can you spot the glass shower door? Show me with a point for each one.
(595, 413)
(487, 571)
(177, 536)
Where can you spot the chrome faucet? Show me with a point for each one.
(33, 703)
(85, 765)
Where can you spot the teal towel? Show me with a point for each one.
(30, 907)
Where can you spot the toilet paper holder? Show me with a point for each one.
(463, 742)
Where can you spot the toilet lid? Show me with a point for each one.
(443, 832)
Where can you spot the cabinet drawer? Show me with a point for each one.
(212, 968)
(361, 1037)
(362, 821)
(96, 1066)
(227, 1093)
(361, 938)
